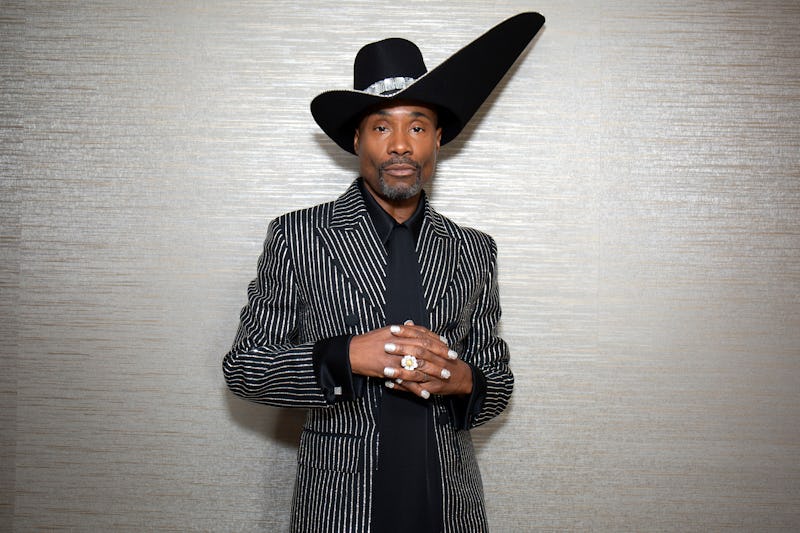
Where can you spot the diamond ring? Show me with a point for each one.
(409, 362)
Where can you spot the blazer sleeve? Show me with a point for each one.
(267, 363)
(487, 352)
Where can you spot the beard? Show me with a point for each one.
(402, 191)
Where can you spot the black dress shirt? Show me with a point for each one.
(407, 495)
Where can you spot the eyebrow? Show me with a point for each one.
(415, 114)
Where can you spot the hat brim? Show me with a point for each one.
(456, 88)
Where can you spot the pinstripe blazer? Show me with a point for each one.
(321, 275)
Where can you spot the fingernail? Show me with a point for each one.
(445, 374)
(425, 394)
(398, 381)
(395, 329)
(389, 372)
(443, 339)
(389, 385)
(409, 322)
(390, 347)
(451, 354)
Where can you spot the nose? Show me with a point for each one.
(399, 143)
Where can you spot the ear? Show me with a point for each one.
(355, 141)
(438, 138)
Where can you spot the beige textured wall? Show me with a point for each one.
(640, 171)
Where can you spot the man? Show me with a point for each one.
(378, 314)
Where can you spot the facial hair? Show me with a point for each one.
(401, 192)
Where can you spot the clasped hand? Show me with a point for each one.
(379, 353)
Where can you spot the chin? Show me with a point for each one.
(401, 191)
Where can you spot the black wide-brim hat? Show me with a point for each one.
(393, 70)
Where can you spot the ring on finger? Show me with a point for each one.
(409, 362)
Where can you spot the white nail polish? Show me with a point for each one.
(389, 372)
(443, 339)
(445, 374)
(398, 381)
(425, 394)
(451, 354)
(395, 329)
(389, 385)
(409, 323)
(390, 347)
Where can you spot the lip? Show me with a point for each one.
(400, 170)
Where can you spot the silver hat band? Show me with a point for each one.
(389, 86)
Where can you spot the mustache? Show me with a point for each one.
(400, 161)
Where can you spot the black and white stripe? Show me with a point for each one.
(322, 275)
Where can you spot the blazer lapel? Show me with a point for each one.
(353, 245)
(438, 252)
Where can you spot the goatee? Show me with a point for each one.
(400, 192)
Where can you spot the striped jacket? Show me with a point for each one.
(321, 275)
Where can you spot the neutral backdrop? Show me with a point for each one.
(640, 170)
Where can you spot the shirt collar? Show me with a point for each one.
(383, 221)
